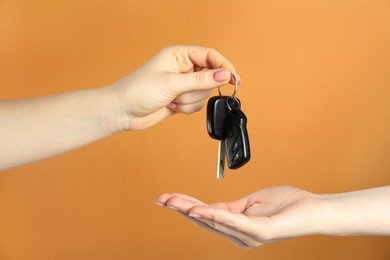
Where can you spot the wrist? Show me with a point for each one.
(317, 215)
(326, 217)
(114, 117)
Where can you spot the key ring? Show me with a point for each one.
(235, 87)
(233, 96)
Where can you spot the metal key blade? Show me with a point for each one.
(221, 160)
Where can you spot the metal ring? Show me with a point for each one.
(235, 87)
(234, 100)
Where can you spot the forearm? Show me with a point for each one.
(364, 212)
(38, 128)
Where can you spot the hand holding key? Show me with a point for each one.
(177, 79)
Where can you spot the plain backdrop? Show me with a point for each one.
(315, 88)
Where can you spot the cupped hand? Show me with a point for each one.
(176, 80)
(266, 216)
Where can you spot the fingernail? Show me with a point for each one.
(172, 106)
(159, 204)
(194, 215)
(173, 208)
(221, 75)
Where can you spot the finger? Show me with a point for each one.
(232, 81)
(163, 198)
(235, 221)
(180, 204)
(209, 58)
(190, 108)
(183, 205)
(192, 97)
(238, 206)
(199, 80)
(187, 197)
(206, 227)
(227, 231)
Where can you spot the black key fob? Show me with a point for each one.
(217, 111)
(237, 140)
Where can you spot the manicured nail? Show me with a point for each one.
(159, 204)
(173, 208)
(221, 75)
(194, 215)
(172, 106)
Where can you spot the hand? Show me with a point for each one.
(278, 213)
(263, 217)
(177, 79)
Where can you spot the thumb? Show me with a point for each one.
(200, 80)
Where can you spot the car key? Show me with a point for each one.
(227, 123)
(217, 110)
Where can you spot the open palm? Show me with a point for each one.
(263, 217)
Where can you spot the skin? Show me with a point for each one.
(176, 80)
(278, 213)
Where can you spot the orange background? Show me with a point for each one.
(315, 87)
